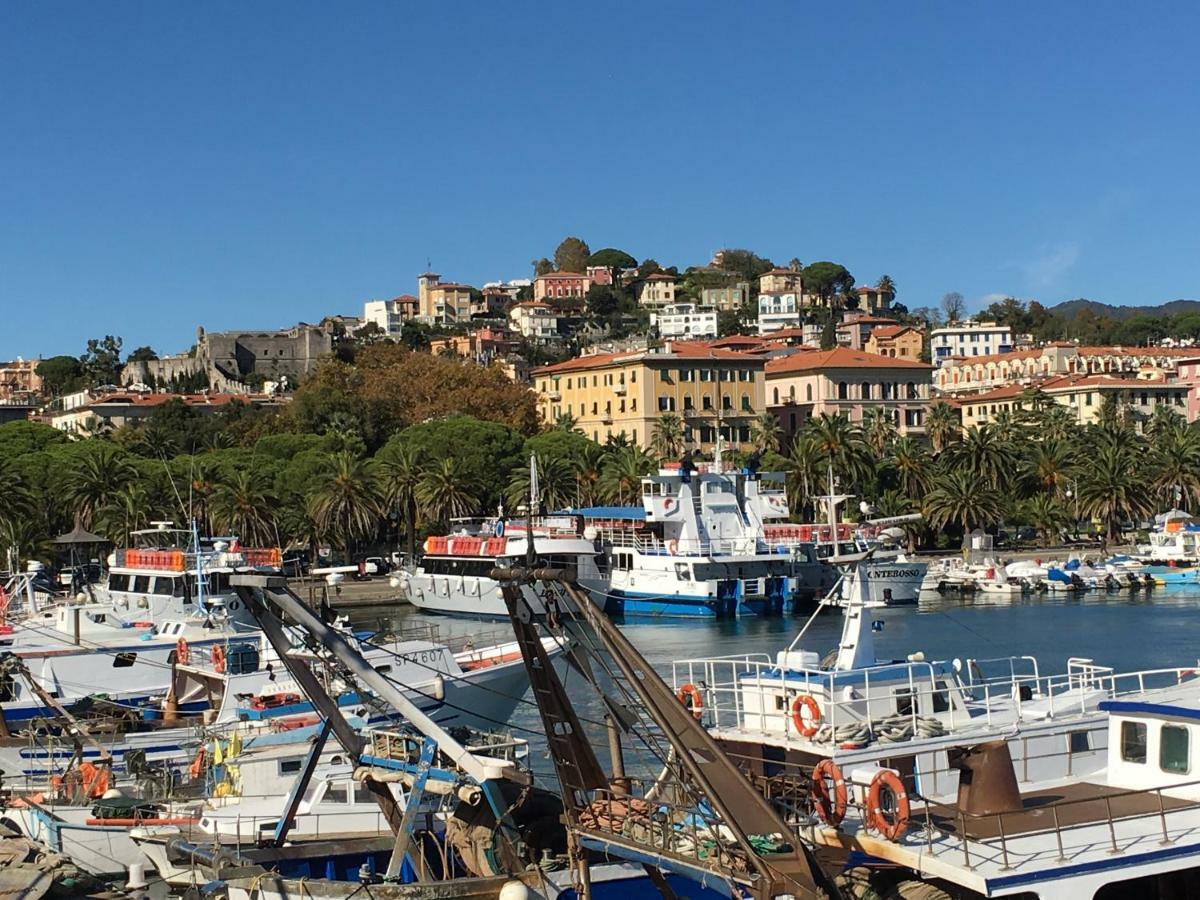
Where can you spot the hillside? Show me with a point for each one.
(1072, 308)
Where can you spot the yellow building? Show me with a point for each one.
(713, 390)
(441, 302)
(1083, 395)
(896, 341)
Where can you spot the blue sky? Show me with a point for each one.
(166, 165)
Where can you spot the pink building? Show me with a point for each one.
(561, 286)
(1187, 377)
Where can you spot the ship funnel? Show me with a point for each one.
(987, 783)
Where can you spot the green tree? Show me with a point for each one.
(984, 454)
(1046, 465)
(1110, 488)
(486, 453)
(446, 492)
(1046, 514)
(345, 501)
(829, 335)
(101, 361)
(962, 499)
(942, 424)
(400, 470)
(879, 430)
(886, 287)
(841, 445)
(953, 306)
(556, 485)
(612, 258)
(572, 255)
(669, 436)
(142, 354)
(826, 280)
(60, 375)
(913, 468)
(542, 266)
(748, 266)
(241, 506)
(1175, 460)
(765, 432)
(621, 473)
(95, 475)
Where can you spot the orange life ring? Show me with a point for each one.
(830, 807)
(689, 695)
(218, 659)
(802, 702)
(182, 653)
(877, 816)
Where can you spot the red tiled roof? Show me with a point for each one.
(130, 398)
(839, 358)
(660, 276)
(869, 320)
(781, 272)
(887, 331)
(562, 275)
(680, 350)
(405, 298)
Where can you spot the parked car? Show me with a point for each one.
(373, 565)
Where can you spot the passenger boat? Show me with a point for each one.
(1172, 555)
(700, 545)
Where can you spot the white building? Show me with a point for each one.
(535, 320)
(970, 338)
(685, 320)
(390, 315)
(778, 309)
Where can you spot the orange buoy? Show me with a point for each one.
(689, 695)
(806, 702)
(889, 825)
(830, 806)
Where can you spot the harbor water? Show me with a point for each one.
(1125, 631)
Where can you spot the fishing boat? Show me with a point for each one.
(1172, 555)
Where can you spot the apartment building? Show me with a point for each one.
(969, 338)
(686, 321)
(715, 391)
(1083, 395)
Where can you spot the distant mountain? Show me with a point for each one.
(1071, 308)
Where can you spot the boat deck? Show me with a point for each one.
(1067, 806)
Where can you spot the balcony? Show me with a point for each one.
(606, 418)
(554, 395)
(619, 390)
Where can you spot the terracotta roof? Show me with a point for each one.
(789, 332)
(449, 286)
(869, 320)
(680, 350)
(734, 340)
(781, 272)
(839, 358)
(1061, 383)
(130, 398)
(660, 276)
(532, 304)
(887, 331)
(1175, 352)
(562, 275)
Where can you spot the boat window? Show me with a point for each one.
(683, 572)
(141, 584)
(118, 582)
(1173, 754)
(383, 670)
(124, 660)
(337, 794)
(1079, 742)
(290, 766)
(1133, 742)
(904, 701)
(941, 700)
(163, 585)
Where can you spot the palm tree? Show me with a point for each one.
(841, 445)
(893, 503)
(1057, 422)
(765, 432)
(556, 484)
(805, 473)
(621, 473)
(345, 502)
(886, 286)
(1046, 514)
(587, 475)
(93, 477)
(1110, 486)
(1046, 465)
(669, 436)
(984, 454)
(123, 512)
(17, 511)
(444, 492)
(1164, 420)
(879, 430)
(566, 422)
(400, 469)
(963, 499)
(1175, 455)
(242, 506)
(942, 424)
(911, 463)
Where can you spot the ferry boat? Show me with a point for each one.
(453, 577)
(1173, 554)
(700, 545)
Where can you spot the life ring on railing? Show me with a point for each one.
(889, 824)
(182, 652)
(672, 546)
(831, 807)
(689, 695)
(803, 702)
(218, 659)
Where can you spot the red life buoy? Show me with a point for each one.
(689, 695)
(182, 653)
(218, 659)
(803, 702)
(877, 817)
(831, 807)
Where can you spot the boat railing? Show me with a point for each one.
(743, 693)
(652, 545)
